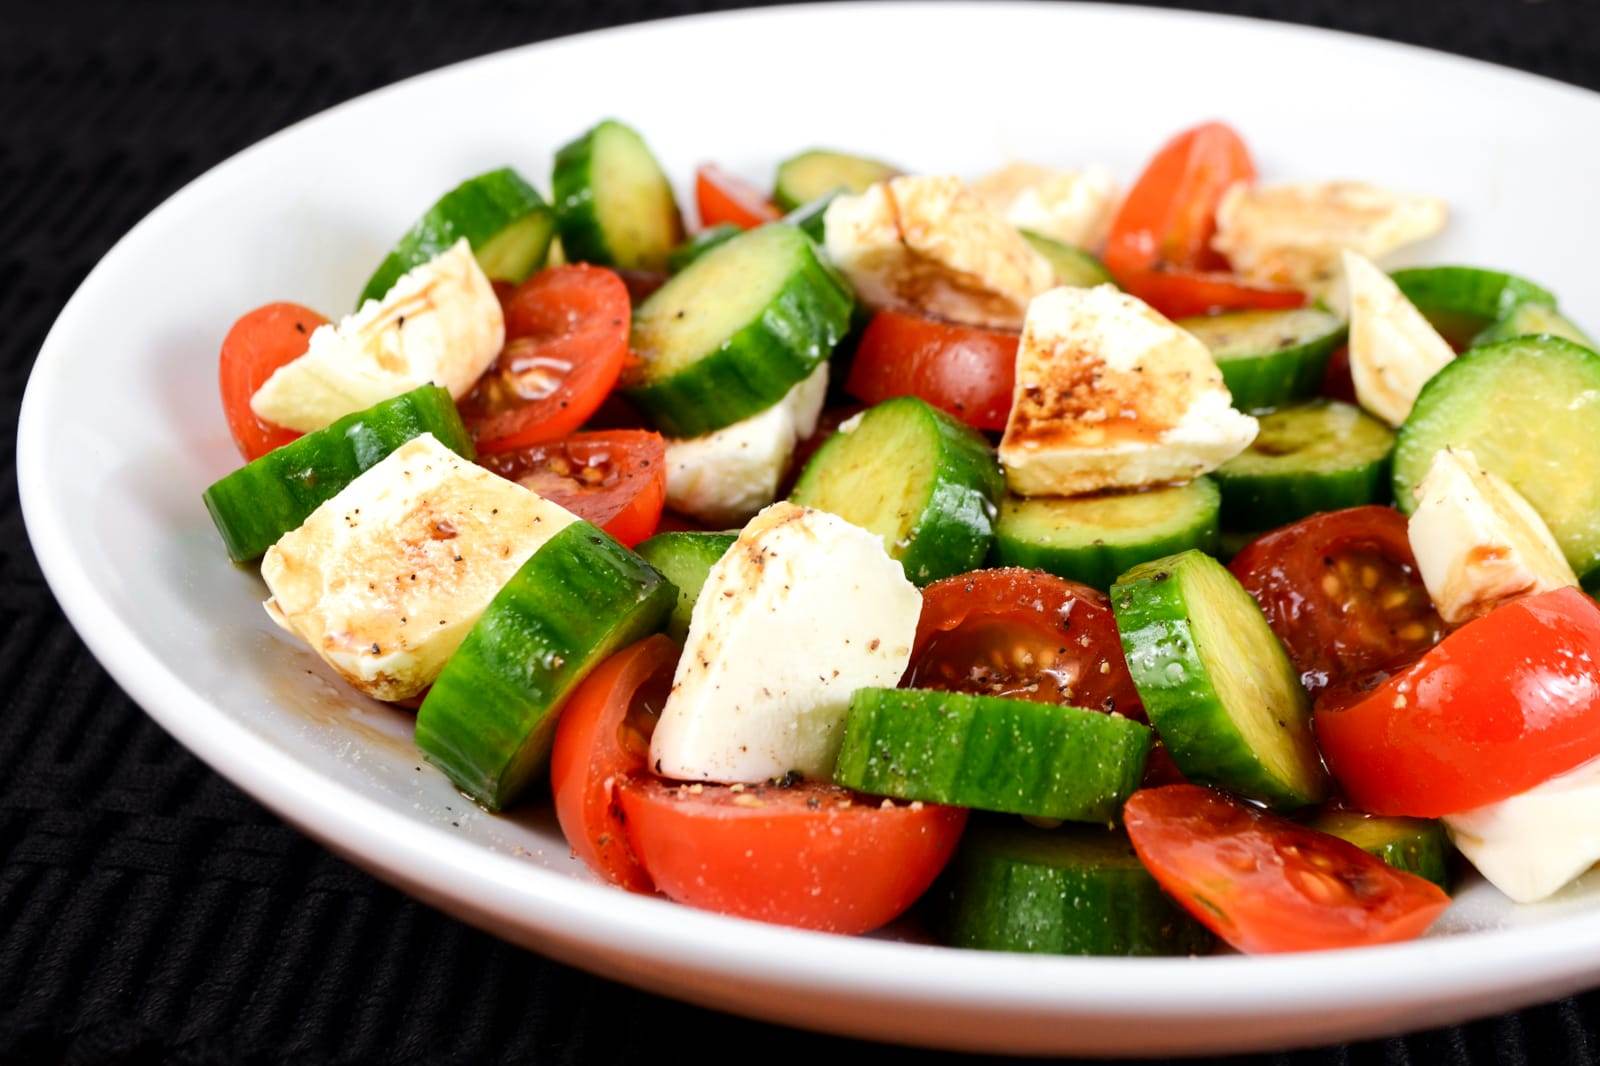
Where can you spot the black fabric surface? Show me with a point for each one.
(148, 910)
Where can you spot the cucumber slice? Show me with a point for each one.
(685, 559)
(1232, 542)
(1461, 300)
(1094, 539)
(700, 244)
(1215, 682)
(810, 217)
(489, 719)
(1268, 358)
(614, 206)
(503, 218)
(1013, 756)
(1416, 845)
(731, 335)
(1318, 456)
(916, 477)
(1517, 407)
(260, 502)
(1071, 891)
(818, 172)
(1533, 319)
(1073, 266)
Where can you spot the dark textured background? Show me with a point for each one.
(149, 911)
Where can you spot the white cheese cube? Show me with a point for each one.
(1394, 350)
(1075, 206)
(1530, 846)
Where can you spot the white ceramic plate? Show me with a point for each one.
(121, 430)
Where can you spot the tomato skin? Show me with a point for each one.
(566, 342)
(1265, 884)
(721, 198)
(966, 371)
(1504, 703)
(1182, 293)
(259, 343)
(1333, 635)
(1337, 384)
(810, 855)
(595, 750)
(616, 479)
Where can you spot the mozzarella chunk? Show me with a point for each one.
(1530, 846)
(804, 609)
(385, 579)
(927, 244)
(1074, 206)
(1294, 234)
(1111, 395)
(440, 323)
(1394, 350)
(1478, 543)
(727, 475)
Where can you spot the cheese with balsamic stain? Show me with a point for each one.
(1075, 206)
(1394, 349)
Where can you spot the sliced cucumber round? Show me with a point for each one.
(1070, 891)
(917, 478)
(503, 218)
(818, 172)
(1268, 358)
(735, 331)
(1095, 539)
(685, 559)
(1318, 456)
(1416, 845)
(1460, 301)
(1519, 406)
(700, 244)
(1216, 682)
(614, 206)
(1073, 266)
(260, 502)
(1045, 760)
(490, 717)
(1533, 319)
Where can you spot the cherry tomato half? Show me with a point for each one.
(721, 197)
(259, 343)
(1265, 884)
(964, 370)
(616, 479)
(1504, 703)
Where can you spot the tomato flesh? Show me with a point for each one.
(723, 198)
(1266, 884)
(811, 855)
(616, 479)
(258, 344)
(1501, 705)
(963, 370)
(1341, 590)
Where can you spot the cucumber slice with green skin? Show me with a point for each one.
(489, 720)
(1268, 358)
(1319, 456)
(614, 206)
(260, 502)
(503, 218)
(1530, 320)
(810, 216)
(1095, 539)
(735, 331)
(1073, 266)
(1513, 405)
(818, 172)
(1232, 542)
(1070, 891)
(1216, 682)
(991, 754)
(1461, 300)
(685, 559)
(700, 244)
(917, 478)
(1416, 845)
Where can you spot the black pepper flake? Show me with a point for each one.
(299, 327)
(375, 649)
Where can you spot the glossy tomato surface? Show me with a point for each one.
(964, 370)
(721, 197)
(616, 479)
(258, 344)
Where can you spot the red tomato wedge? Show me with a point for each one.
(603, 735)
(1025, 635)
(1265, 884)
(616, 479)
(259, 343)
(810, 855)
(1341, 590)
(964, 370)
(721, 198)
(566, 343)
(1181, 293)
(1504, 703)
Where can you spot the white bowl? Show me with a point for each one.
(121, 430)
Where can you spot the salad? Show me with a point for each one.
(1114, 572)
